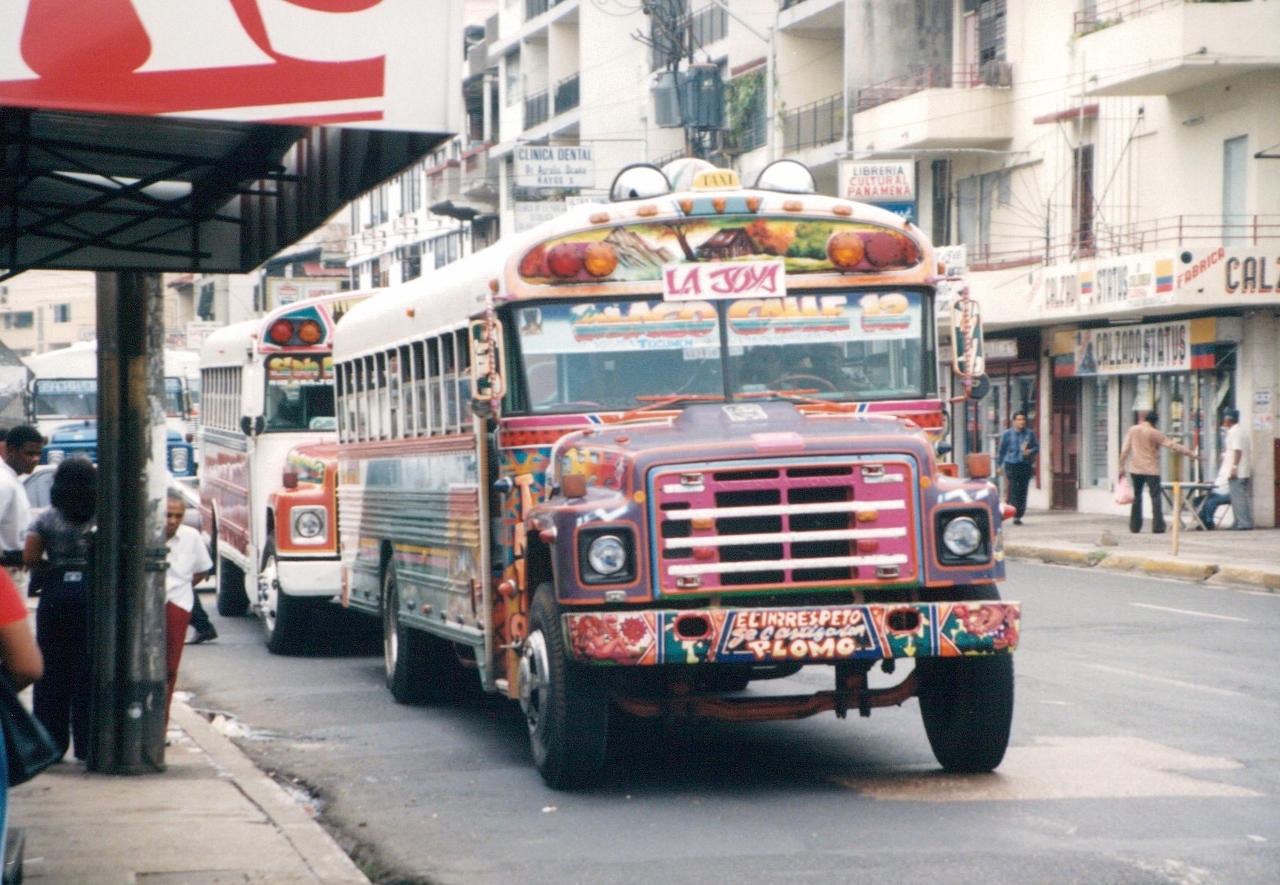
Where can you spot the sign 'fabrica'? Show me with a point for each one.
(308, 62)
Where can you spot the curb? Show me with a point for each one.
(1051, 555)
(312, 843)
(1195, 572)
(1230, 574)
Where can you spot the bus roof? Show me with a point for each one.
(80, 360)
(713, 219)
(233, 345)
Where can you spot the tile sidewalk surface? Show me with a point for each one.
(212, 818)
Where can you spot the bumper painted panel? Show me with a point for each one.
(775, 635)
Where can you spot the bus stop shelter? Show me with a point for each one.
(138, 141)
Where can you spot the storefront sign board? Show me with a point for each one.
(555, 167)
(1178, 346)
(888, 181)
(1127, 282)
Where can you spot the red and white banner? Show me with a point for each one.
(380, 64)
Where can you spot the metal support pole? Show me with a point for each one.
(127, 605)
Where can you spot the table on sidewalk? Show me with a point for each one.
(1186, 497)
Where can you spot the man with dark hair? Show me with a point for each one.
(21, 455)
(1141, 451)
(1016, 459)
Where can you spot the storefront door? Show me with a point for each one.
(1064, 455)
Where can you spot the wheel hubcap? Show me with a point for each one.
(390, 631)
(534, 673)
(269, 592)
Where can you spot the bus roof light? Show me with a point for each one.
(281, 332)
(310, 332)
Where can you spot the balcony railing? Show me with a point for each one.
(566, 94)
(1161, 234)
(1105, 13)
(787, 4)
(534, 8)
(536, 108)
(818, 123)
(925, 77)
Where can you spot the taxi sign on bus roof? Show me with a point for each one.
(717, 180)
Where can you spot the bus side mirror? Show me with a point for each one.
(488, 382)
(253, 426)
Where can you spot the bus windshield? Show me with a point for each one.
(65, 397)
(848, 346)
(299, 393)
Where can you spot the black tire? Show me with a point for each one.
(232, 600)
(565, 704)
(286, 620)
(724, 678)
(404, 651)
(967, 707)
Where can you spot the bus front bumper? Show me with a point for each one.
(809, 635)
(310, 577)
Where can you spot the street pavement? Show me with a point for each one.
(213, 818)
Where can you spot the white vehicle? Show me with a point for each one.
(268, 480)
(64, 388)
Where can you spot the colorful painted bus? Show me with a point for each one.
(657, 450)
(267, 477)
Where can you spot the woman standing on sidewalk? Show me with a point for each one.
(57, 553)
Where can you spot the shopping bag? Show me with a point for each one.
(27, 744)
(1124, 491)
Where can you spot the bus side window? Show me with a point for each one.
(349, 402)
(433, 379)
(450, 383)
(381, 405)
(406, 392)
(420, 388)
(464, 375)
(363, 373)
(393, 395)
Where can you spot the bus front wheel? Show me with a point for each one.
(967, 707)
(286, 619)
(565, 704)
(232, 600)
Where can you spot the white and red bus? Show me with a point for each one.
(653, 451)
(267, 490)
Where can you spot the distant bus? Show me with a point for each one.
(267, 481)
(64, 388)
(652, 451)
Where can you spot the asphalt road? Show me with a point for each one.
(1143, 751)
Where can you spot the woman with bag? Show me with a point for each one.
(21, 662)
(57, 552)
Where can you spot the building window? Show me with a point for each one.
(20, 319)
(378, 205)
(511, 83)
(941, 201)
(991, 30)
(1096, 408)
(410, 192)
(1235, 152)
(975, 196)
(62, 313)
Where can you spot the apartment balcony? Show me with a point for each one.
(537, 109)
(566, 95)
(535, 8)
(1169, 46)
(1171, 234)
(933, 107)
(815, 124)
(812, 16)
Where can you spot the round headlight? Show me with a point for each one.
(54, 456)
(308, 524)
(179, 460)
(607, 554)
(962, 536)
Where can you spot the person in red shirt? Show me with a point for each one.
(22, 663)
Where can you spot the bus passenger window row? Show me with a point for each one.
(417, 389)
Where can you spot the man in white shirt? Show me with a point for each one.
(21, 455)
(189, 563)
(1238, 455)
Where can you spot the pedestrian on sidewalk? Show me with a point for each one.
(1141, 451)
(189, 563)
(21, 455)
(1238, 453)
(57, 552)
(1015, 459)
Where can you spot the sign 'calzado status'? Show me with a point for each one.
(555, 167)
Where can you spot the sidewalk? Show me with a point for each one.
(211, 818)
(1245, 559)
